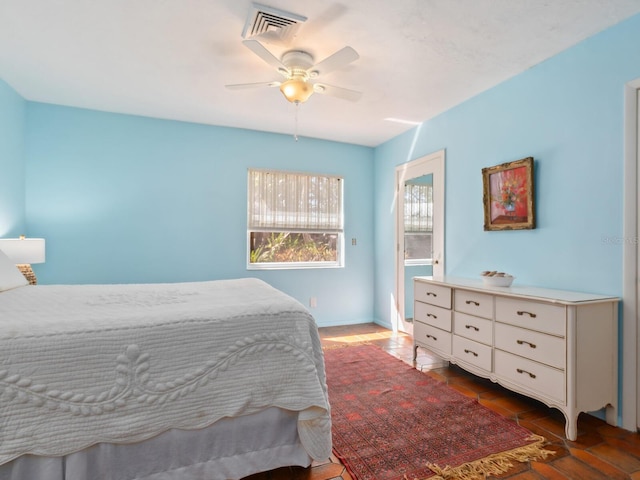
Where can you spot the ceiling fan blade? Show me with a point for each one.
(239, 86)
(339, 92)
(333, 62)
(260, 50)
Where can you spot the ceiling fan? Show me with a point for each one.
(299, 71)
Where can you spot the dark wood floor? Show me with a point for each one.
(600, 451)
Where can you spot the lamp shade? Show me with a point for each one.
(24, 250)
(296, 90)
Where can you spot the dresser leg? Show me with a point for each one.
(571, 427)
(415, 352)
(611, 415)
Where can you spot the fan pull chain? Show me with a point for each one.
(295, 128)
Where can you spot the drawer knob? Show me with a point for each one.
(471, 352)
(519, 370)
(471, 302)
(432, 294)
(472, 326)
(431, 336)
(522, 342)
(521, 313)
(432, 315)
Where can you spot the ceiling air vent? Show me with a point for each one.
(271, 24)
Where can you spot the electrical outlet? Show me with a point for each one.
(354, 241)
(313, 302)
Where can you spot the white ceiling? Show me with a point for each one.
(171, 59)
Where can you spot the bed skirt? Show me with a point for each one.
(230, 449)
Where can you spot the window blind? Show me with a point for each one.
(418, 208)
(294, 201)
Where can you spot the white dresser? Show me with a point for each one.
(557, 346)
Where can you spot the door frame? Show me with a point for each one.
(631, 260)
(432, 163)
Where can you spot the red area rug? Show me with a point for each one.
(392, 422)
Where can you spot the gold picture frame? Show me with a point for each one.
(508, 196)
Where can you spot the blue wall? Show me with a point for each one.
(568, 114)
(126, 199)
(129, 199)
(12, 162)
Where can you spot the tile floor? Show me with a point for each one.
(600, 451)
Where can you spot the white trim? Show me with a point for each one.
(429, 164)
(418, 262)
(630, 290)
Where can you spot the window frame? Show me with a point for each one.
(338, 263)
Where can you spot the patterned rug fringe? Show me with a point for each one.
(493, 464)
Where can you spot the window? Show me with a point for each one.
(418, 224)
(294, 220)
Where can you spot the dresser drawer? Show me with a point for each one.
(432, 338)
(533, 345)
(472, 352)
(432, 315)
(473, 328)
(433, 294)
(542, 317)
(532, 375)
(473, 303)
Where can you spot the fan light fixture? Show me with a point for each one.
(300, 72)
(296, 90)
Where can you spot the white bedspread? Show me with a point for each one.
(85, 364)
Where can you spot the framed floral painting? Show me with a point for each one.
(508, 196)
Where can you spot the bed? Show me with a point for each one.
(198, 380)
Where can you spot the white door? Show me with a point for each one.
(425, 170)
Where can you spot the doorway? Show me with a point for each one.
(419, 218)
